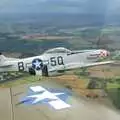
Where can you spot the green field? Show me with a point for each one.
(113, 85)
(23, 80)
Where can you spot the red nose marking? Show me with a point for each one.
(103, 53)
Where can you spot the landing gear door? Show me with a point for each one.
(45, 71)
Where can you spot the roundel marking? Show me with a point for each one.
(37, 64)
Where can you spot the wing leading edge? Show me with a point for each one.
(81, 65)
(97, 63)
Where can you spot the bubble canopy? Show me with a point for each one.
(57, 50)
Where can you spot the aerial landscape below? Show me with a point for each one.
(60, 59)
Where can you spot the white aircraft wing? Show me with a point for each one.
(81, 65)
(97, 63)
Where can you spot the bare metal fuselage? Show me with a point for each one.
(54, 61)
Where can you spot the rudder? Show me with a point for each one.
(2, 58)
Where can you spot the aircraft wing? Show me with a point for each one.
(97, 63)
(81, 65)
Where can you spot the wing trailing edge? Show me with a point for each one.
(97, 63)
(82, 65)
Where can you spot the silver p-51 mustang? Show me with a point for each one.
(54, 61)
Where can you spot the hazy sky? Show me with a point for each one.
(61, 6)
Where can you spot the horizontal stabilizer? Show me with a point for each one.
(5, 66)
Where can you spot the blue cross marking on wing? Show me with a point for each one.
(57, 99)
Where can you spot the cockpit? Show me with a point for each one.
(57, 50)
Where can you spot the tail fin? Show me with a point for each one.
(2, 58)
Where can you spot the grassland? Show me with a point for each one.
(23, 80)
(78, 38)
(113, 85)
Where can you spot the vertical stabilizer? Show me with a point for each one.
(2, 58)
